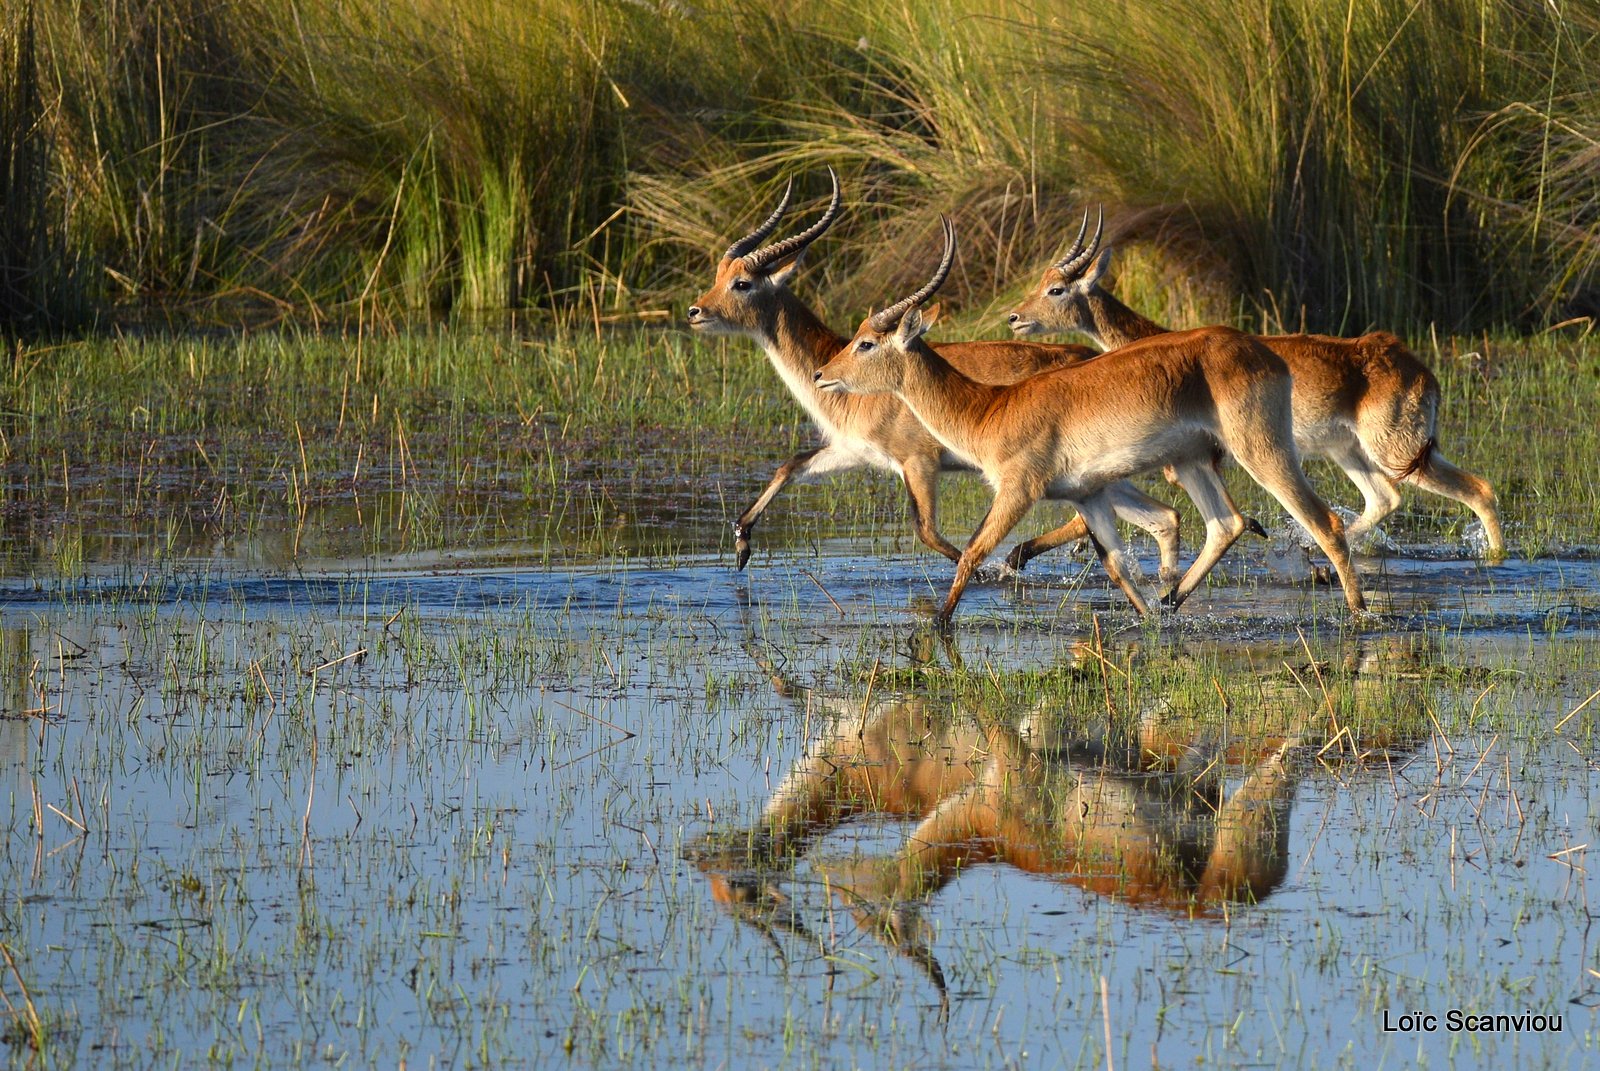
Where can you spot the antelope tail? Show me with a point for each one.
(1419, 462)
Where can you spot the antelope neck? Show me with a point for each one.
(1114, 323)
(797, 340)
(949, 404)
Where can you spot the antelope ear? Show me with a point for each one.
(1098, 268)
(779, 272)
(915, 323)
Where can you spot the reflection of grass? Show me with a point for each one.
(1350, 695)
(277, 445)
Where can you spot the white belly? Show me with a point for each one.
(848, 452)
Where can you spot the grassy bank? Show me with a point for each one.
(1337, 164)
(291, 445)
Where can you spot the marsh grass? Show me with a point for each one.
(283, 445)
(576, 444)
(1308, 162)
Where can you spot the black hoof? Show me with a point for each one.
(741, 556)
(1253, 526)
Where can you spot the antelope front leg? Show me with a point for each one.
(798, 465)
(1133, 506)
(921, 475)
(1010, 505)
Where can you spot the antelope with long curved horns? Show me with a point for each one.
(1368, 404)
(751, 297)
(1172, 400)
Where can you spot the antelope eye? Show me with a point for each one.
(1056, 291)
(864, 345)
(742, 284)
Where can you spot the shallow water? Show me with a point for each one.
(1245, 595)
(452, 809)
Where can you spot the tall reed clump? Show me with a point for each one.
(1541, 149)
(40, 278)
(1318, 160)
(313, 154)
(326, 155)
(1331, 164)
(1336, 154)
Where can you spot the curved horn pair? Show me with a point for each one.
(1077, 258)
(888, 318)
(760, 258)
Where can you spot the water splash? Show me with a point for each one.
(1289, 549)
(1291, 533)
(995, 570)
(1289, 552)
(1476, 539)
(1374, 541)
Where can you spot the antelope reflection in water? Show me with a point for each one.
(1141, 815)
(1136, 809)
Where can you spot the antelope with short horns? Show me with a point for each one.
(1172, 400)
(751, 297)
(1368, 404)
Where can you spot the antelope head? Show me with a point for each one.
(743, 299)
(1061, 300)
(875, 360)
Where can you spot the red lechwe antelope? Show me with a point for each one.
(1367, 404)
(751, 297)
(1173, 400)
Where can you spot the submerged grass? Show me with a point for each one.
(284, 445)
(1314, 161)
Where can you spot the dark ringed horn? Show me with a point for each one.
(778, 250)
(753, 239)
(1072, 265)
(885, 320)
(1077, 243)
